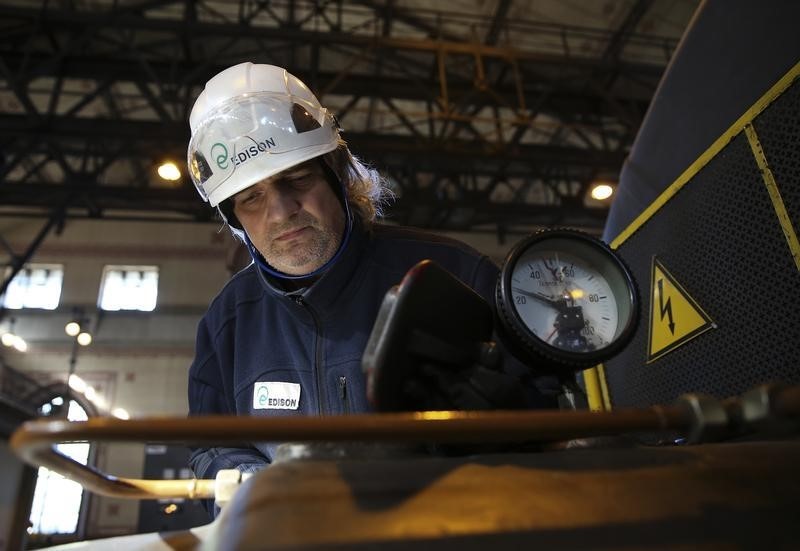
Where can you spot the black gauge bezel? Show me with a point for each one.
(535, 347)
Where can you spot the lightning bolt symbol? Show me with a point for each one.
(665, 308)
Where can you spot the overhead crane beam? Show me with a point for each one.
(479, 122)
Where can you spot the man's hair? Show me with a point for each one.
(366, 188)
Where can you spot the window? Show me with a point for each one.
(35, 286)
(57, 500)
(129, 288)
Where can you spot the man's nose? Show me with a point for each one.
(281, 205)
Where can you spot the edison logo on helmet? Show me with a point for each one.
(220, 154)
(252, 151)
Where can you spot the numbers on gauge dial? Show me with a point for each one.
(564, 301)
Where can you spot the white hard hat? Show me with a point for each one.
(251, 122)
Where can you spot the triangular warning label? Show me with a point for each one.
(675, 317)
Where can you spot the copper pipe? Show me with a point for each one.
(33, 441)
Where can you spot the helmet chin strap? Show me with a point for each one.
(258, 258)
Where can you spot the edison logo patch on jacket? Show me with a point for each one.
(272, 395)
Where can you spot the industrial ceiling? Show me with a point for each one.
(485, 115)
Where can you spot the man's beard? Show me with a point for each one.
(317, 246)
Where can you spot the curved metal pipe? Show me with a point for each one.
(33, 441)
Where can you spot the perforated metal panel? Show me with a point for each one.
(720, 237)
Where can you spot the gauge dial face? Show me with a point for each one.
(564, 301)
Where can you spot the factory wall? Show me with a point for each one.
(138, 360)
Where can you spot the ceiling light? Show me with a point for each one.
(169, 171)
(8, 339)
(100, 402)
(602, 192)
(76, 383)
(72, 328)
(84, 339)
(20, 344)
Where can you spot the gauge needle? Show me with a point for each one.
(555, 302)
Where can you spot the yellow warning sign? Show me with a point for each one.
(675, 317)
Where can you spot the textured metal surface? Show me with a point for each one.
(720, 237)
(705, 497)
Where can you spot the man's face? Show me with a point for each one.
(294, 218)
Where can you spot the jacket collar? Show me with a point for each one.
(329, 286)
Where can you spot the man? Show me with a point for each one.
(286, 335)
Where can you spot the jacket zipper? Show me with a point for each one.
(343, 394)
(319, 376)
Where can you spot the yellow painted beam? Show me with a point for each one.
(601, 376)
(774, 194)
(594, 392)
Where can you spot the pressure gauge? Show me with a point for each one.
(566, 300)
